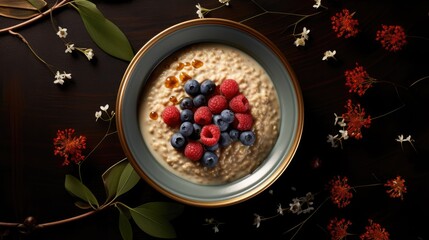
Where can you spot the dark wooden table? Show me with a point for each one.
(33, 109)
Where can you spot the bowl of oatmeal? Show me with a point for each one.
(209, 112)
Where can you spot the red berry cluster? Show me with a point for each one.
(217, 121)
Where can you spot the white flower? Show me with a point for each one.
(257, 220)
(69, 48)
(329, 54)
(305, 33)
(226, 2)
(280, 209)
(98, 115)
(317, 3)
(62, 32)
(344, 134)
(200, 11)
(215, 229)
(332, 140)
(66, 75)
(295, 206)
(105, 107)
(59, 79)
(89, 53)
(299, 42)
(401, 139)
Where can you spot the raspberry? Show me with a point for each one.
(229, 88)
(203, 115)
(243, 121)
(171, 116)
(239, 104)
(217, 104)
(194, 151)
(210, 135)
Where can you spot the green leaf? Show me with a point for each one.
(21, 9)
(39, 4)
(111, 178)
(129, 178)
(78, 189)
(82, 205)
(125, 225)
(103, 32)
(153, 218)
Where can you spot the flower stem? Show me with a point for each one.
(392, 111)
(419, 80)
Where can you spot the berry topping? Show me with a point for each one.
(209, 159)
(234, 134)
(192, 87)
(217, 119)
(247, 138)
(229, 88)
(196, 133)
(178, 141)
(199, 100)
(171, 116)
(243, 121)
(187, 115)
(186, 129)
(227, 115)
(210, 135)
(239, 104)
(207, 87)
(217, 103)
(224, 139)
(186, 103)
(203, 115)
(194, 150)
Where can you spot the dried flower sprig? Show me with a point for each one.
(344, 24)
(401, 139)
(391, 37)
(374, 231)
(338, 228)
(202, 11)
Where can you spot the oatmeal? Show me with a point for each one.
(218, 63)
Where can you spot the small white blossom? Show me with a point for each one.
(280, 209)
(332, 140)
(66, 75)
(59, 79)
(62, 32)
(105, 107)
(215, 229)
(89, 53)
(200, 11)
(97, 115)
(344, 134)
(305, 33)
(329, 54)
(226, 2)
(317, 3)
(295, 206)
(299, 42)
(401, 139)
(257, 220)
(69, 48)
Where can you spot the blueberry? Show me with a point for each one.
(196, 133)
(234, 134)
(207, 87)
(217, 119)
(178, 141)
(192, 87)
(199, 100)
(209, 159)
(224, 139)
(186, 129)
(247, 138)
(212, 148)
(186, 115)
(186, 103)
(227, 115)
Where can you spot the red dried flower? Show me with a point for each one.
(392, 38)
(358, 80)
(68, 146)
(355, 119)
(340, 191)
(397, 187)
(344, 24)
(338, 228)
(374, 232)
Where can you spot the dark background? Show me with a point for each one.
(33, 109)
